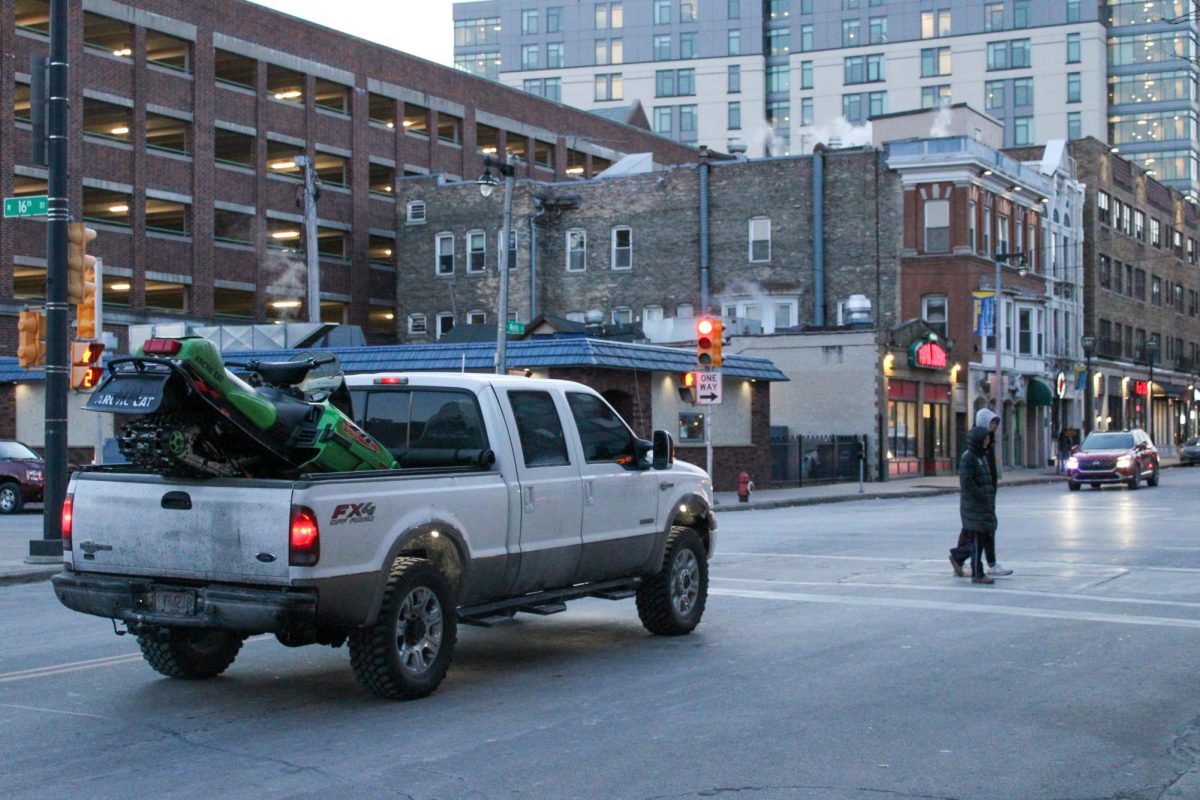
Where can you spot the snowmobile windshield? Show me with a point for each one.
(325, 377)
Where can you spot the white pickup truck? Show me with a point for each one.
(513, 495)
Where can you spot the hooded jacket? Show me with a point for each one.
(977, 492)
(983, 418)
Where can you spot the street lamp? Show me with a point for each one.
(997, 308)
(1088, 343)
(487, 183)
(1151, 353)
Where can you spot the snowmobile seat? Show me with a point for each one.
(281, 373)
(289, 412)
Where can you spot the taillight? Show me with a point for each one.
(67, 515)
(161, 347)
(304, 545)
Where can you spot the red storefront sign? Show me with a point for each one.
(927, 354)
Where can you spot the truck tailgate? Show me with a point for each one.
(218, 530)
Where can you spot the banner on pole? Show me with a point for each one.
(983, 313)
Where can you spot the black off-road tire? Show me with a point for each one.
(190, 654)
(1153, 479)
(10, 498)
(672, 602)
(1073, 485)
(407, 652)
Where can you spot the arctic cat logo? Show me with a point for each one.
(352, 513)
(353, 431)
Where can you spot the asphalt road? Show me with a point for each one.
(839, 659)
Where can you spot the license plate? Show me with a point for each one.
(179, 603)
(129, 393)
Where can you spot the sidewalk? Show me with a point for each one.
(18, 529)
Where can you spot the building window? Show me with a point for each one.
(876, 104)
(935, 96)
(554, 19)
(445, 323)
(734, 79)
(778, 42)
(806, 74)
(1074, 125)
(760, 239)
(1139, 225)
(529, 56)
(470, 32)
(476, 251)
(734, 42)
(1073, 48)
(687, 45)
(609, 87)
(662, 120)
(850, 33)
(733, 9)
(937, 226)
(806, 111)
(622, 247)
(852, 107)
(935, 24)
(576, 250)
(1139, 284)
(687, 119)
(933, 311)
(1156, 290)
(877, 30)
(529, 21)
(1074, 87)
(993, 17)
(734, 121)
(554, 55)
(1023, 92)
(935, 61)
(1022, 131)
(445, 253)
(662, 12)
(777, 78)
(806, 38)
(662, 47)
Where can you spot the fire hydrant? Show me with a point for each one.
(745, 487)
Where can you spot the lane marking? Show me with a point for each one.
(91, 663)
(895, 559)
(963, 588)
(974, 608)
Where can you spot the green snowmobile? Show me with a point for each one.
(188, 415)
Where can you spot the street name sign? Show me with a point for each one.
(708, 387)
(34, 206)
(514, 327)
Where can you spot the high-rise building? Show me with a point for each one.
(782, 75)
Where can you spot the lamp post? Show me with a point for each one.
(997, 308)
(487, 182)
(1151, 354)
(1088, 343)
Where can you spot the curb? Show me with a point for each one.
(30, 575)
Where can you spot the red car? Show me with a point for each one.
(1127, 457)
(22, 477)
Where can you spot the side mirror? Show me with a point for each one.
(641, 449)
(664, 450)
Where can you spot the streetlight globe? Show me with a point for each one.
(1088, 342)
(487, 183)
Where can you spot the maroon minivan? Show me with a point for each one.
(22, 477)
(1127, 457)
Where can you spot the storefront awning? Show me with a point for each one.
(1039, 394)
(1170, 389)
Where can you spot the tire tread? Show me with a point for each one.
(654, 595)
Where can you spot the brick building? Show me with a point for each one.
(1141, 279)
(185, 118)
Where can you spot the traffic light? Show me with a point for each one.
(31, 328)
(85, 365)
(78, 261)
(85, 312)
(687, 387)
(708, 342)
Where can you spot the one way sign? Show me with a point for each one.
(708, 387)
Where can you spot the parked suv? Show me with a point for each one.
(1113, 457)
(22, 477)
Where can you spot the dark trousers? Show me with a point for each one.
(974, 546)
(962, 551)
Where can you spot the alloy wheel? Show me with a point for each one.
(685, 581)
(419, 630)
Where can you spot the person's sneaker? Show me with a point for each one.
(957, 566)
(983, 579)
(997, 570)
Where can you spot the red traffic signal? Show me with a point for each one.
(708, 342)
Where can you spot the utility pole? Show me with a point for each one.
(311, 256)
(487, 182)
(997, 323)
(57, 366)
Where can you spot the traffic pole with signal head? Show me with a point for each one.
(708, 342)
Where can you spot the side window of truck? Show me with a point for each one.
(426, 427)
(604, 435)
(539, 429)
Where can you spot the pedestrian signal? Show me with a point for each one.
(85, 365)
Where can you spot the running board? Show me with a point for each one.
(488, 615)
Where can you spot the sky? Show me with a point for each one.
(424, 28)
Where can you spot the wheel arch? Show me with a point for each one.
(438, 542)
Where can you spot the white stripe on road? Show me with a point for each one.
(897, 560)
(976, 608)
(1091, 598)
(92, 663)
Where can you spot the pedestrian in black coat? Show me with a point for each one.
(976, 504)
(986, 418)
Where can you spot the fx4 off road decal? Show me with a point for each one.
(352, 513)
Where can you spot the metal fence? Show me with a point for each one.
(798, 460)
